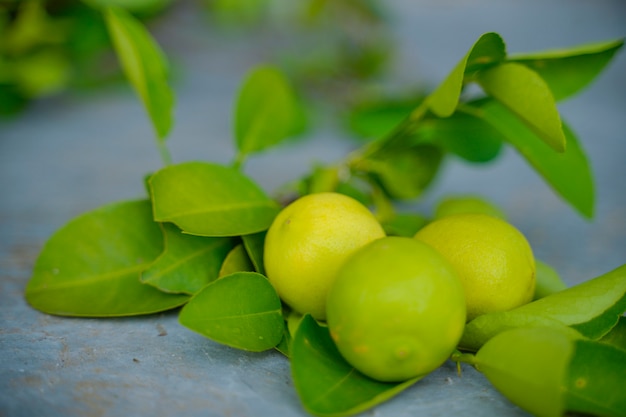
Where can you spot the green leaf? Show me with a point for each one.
(488, 50)
(525, 94)
(91, 266)
(569, 70)
(528, 366)
(145, 66)
(266, 112)
(568, 173)
(373, 120)
(237, 260)
(404, 224)
(241, 310)
(465, 135)
(188, 262)
(210, 200)
(592, 308)
(254, 245)
(617, 335)
(596, 379)
(326, 383)
(405, 173)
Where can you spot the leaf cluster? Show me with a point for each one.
(196, 242)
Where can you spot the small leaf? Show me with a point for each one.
(145, 66)
(188, 262)
(465, 135)
(91, 266)
(267, 111)
(237, 260)
(241, 310)
(488, 50)
(592, 308)
(569, 70)
(568, 173)
(254, 245)
(210, 200)
(373, 120)
(617, 335)
(525, 94)
(406, 173)
(404, 224)
(595, 380)
(326, 383)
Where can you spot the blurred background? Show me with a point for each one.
(73, 136)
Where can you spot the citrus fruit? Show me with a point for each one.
(462, 204)
(307, 243)
(396, 310)
(494, 260)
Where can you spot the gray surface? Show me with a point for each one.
(68, 155)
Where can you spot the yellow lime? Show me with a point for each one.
(493, 258)
(307, 243)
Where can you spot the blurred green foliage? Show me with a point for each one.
(326, 47)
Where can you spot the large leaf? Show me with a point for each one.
(591, 308)
(569, 70)
(488, 50)
(241, 310)
(568, 173)
(267, 111)
(188, 262)
(528, 96)
(210, 200)
(145, 66)
(326, 383)
(91, 266)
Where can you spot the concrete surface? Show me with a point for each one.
(74, 153)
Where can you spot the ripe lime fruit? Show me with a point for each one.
(396, 310)
(493, 259)
(461, 204)
(307, 243)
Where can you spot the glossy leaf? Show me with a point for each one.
(528, 366)
(326, 383)
(188, 262)
(404, 174)
(241, 310)
(591, 308)
(237, 260)
(527, 96)
(568, 173)
(267, 111)
(569, 70)
(617, 335)
(463, 134)
(91, 266)
(254, 245)
(596, 379)
(488, 50)
(210, 200)
(145, 66)
(374, 120)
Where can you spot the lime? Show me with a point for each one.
(396, 310)
(307, 243)
(494, 260)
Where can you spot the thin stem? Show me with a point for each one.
(166, 157)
